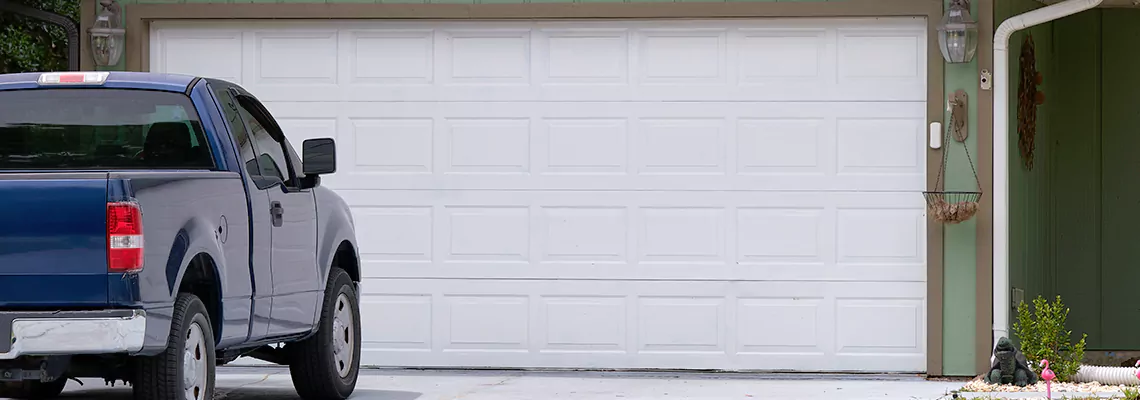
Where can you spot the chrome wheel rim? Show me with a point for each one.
(194, 360)
(343, 336)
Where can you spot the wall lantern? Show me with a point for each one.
(107, 34)
(958, 33)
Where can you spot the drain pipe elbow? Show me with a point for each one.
(1001, 162)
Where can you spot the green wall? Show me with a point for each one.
(1074, 218)
(1028, 191)
(959, 318)
(960, 255)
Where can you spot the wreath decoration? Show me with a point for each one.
(1028, 98)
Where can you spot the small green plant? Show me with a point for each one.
(1042, 335)
(1131, 393)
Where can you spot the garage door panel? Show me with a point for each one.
(640, 235)
(643, 146)
(632, 324)
(820, 60)
(730, 194)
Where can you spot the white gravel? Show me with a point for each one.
(979, 385)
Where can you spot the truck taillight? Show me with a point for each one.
(124, 237)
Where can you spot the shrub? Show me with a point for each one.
(1042, 335)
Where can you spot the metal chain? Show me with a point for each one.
(945, 153)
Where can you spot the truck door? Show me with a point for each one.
(259, 267)
(293, 217)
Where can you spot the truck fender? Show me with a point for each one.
(193, 239)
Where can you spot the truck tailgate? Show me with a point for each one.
(53, 241)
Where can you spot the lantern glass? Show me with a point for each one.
(958, 34)
(107, 37)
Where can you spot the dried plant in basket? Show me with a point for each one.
(950, 207)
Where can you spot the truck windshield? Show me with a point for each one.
(100, 129)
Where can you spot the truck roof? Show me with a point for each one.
(115, 79)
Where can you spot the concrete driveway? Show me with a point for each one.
(261, 383)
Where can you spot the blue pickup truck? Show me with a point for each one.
(155, 226)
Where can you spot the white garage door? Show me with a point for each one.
(733, 194)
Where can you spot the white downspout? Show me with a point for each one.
(1002, 35)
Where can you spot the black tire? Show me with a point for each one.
(313, 364)
(161, 377)
(32, 390)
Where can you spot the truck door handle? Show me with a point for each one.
(277, 212)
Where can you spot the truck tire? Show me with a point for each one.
(185, 370)
(325, 366)
(32, 390)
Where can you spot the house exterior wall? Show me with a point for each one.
(1073, 217)
(958, 255)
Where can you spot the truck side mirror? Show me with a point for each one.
(318, 156)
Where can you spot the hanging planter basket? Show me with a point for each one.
(953, 207)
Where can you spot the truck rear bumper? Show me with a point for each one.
(71, 333)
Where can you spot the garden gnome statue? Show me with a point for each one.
(1010, 366)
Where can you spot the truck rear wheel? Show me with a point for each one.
(32, 390)
(326, 365)
(185, 370)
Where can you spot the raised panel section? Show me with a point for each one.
(182, 50)
(396, 322)
(489, 56)
(586, 56)
(682, 324)
(495, 234)
(780, 235)
(771, 146)
(682, 146)
(394, 234)
(487, 145)
(393, 145)
(897, 325)
(586, 146)
(488, 323)
(584, 323)
(277, 57)
(880, 236)
(392, 56)
(584, 234)
(682, 56)
(880, 54)
(779, 325)
(766, 55)
(686, 235)
(881, 146)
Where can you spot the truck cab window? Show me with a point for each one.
(237, 127)
(272, 159)
(113, 129)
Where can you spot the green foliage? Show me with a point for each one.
(1131, 393)
(30, 45)
(1042, 335)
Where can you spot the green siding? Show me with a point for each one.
(1028, 197)
(1074, 218)
(960, 256)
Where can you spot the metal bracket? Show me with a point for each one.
(959, 115)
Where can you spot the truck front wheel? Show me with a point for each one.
(185, 370)
(326, 365)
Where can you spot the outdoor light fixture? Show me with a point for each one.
(958, 33)
(107, 34)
